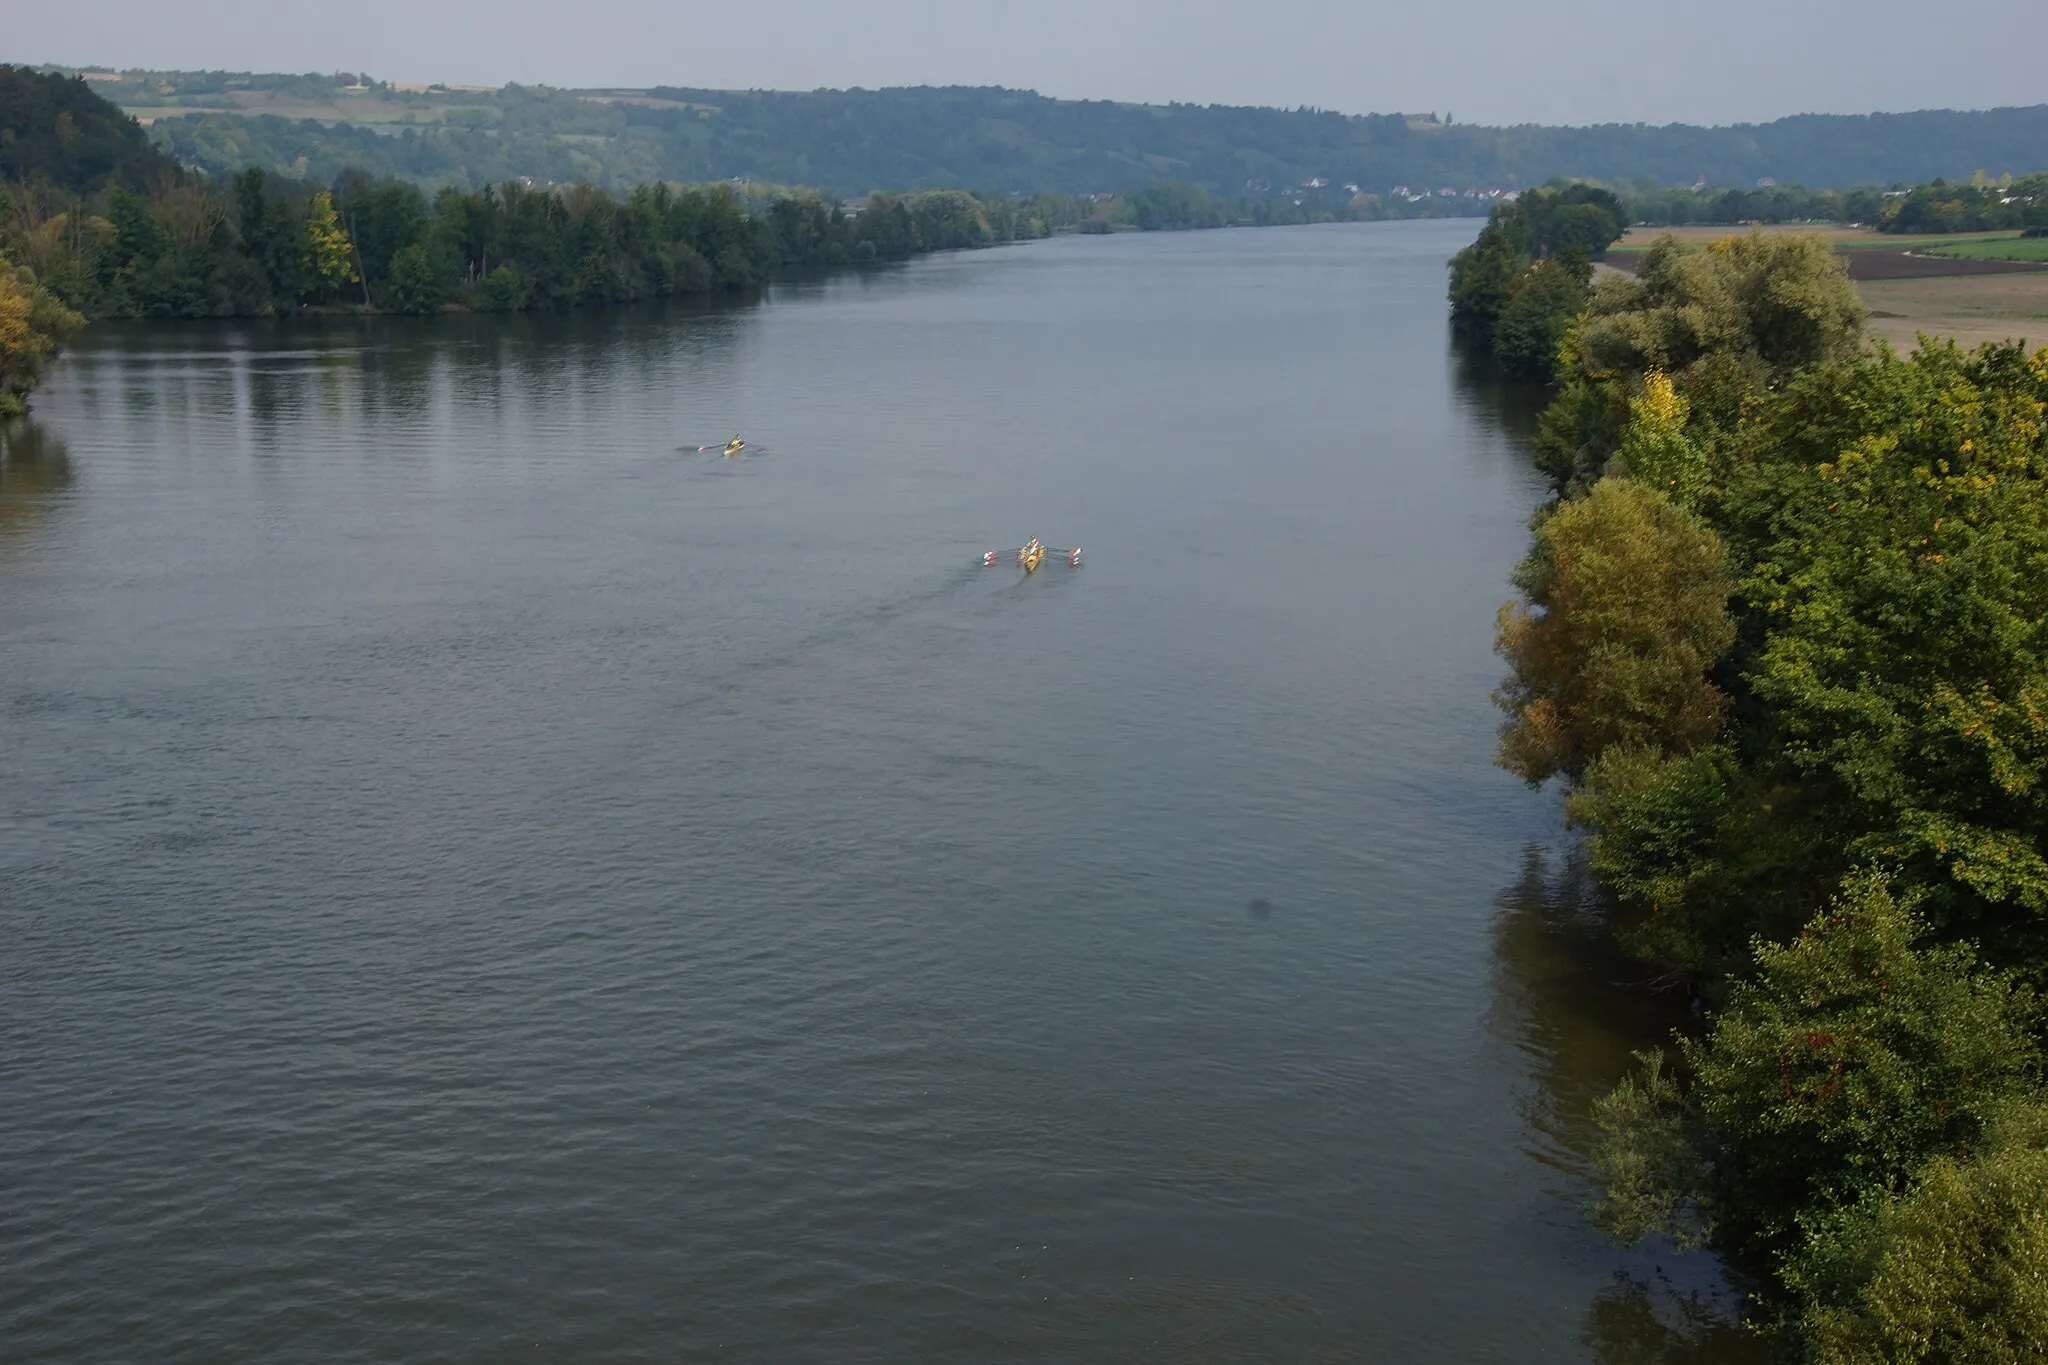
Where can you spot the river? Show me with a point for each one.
(480, 883)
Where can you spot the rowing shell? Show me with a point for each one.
(1031, 556)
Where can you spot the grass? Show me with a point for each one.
(371, 110)
(2003, 248)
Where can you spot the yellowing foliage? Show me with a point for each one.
(326, 257)
(33, 324)
(1624, 611)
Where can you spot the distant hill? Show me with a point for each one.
(851, 141)
(56, 129)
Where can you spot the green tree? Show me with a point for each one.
(1541, 305)
(1857, 1053)
(1727, 324)
(416, 280)
(1516, 290)
(1483, 277)
(1954, 1270)
(948, 220)
(1900, 624)
(60, 132)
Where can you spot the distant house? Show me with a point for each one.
(1318, 183)
(1350, 188)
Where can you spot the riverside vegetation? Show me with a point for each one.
(114, 228)
(95, 221)
(1783, 636)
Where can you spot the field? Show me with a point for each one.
(1971, 308)
(366, 114)
(370, 109)
(2004, 247)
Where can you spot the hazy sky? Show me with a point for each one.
(1491, 61)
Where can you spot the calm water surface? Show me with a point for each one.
(478, 884)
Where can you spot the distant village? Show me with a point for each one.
(1414, 196)
(1405, 193)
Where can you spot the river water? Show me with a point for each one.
(480, 884)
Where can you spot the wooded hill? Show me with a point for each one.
(852, 141)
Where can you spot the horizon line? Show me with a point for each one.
(103, 71)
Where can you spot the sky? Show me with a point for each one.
(1481, 61)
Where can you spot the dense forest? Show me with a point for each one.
(259, 245)
(848, 142)
(1783, 639)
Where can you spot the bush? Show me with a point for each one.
(500, 291)
(1954, 1270)
(416, 280)
(1539, 311)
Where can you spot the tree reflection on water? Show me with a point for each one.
(33, 465)
(1514, 405)
(1577, 1008)
(1651, 1321)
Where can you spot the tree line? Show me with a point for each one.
(1979, 205)
(1783, 638)
(258, 245)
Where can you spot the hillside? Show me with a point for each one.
(851, 141)
(57, 130)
